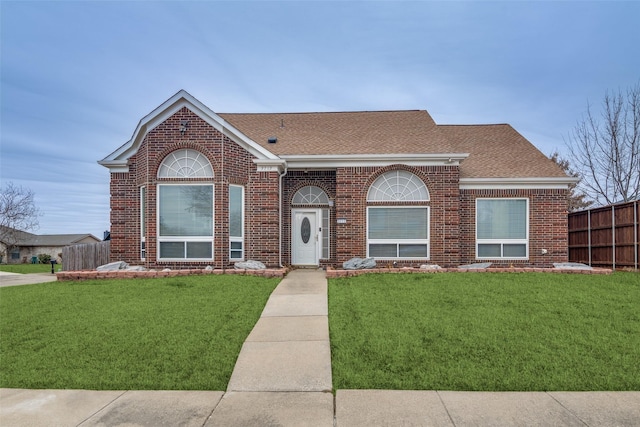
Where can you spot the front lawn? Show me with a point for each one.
(29, 268)
(483, 331)
(181, 333)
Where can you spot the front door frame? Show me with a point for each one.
(316, 233)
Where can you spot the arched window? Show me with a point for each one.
(398, 186)
(185, 209)
(310, 195)
(397, 229)
(185, 163)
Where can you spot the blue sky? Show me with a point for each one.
(76, 77)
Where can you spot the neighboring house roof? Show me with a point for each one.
(58, 239)
(29, 239)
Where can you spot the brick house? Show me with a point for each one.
(194, 188)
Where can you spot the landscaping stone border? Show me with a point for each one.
(64, 276)
(333, 273)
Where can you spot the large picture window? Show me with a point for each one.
(398, 232)
(502, 228)
(236, 222)
(399, 229)
(185, 221)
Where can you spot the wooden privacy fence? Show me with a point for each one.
(85, 256)
(606, 236)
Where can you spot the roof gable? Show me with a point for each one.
(117, 161)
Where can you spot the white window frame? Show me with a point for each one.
(394, 188)
(143, 226)
(236, 239)
(186, 239)
(399, 242)
(503, 242)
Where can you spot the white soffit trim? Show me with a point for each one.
(270, 165)
(117, 161)
(329, 161)
(515, 183)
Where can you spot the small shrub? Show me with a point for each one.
(44, 258)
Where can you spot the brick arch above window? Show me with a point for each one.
(185, 163)
(398, 186)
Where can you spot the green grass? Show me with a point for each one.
(491, 332)
(29, 268)
(180, 333)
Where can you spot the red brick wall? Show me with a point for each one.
(352, 185)
(262, 228)
(231, 165)
(547, 225)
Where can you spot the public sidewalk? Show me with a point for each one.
(283, 378)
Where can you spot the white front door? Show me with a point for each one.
(305, 237)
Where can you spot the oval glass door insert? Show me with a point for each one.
(305, 230)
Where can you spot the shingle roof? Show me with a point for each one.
(365, 132)
(56, 239)
(28, 239)
(496, 151)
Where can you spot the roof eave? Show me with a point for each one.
(362, 160)
(517, 183)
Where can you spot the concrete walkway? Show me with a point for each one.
(283, 378)
(15, 279)
(283, 372)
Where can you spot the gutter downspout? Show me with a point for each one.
(282, 175)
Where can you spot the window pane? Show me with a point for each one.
(310, 195)
(515, 251)
(198, 249)
(236, 245)
(185, 163)
(489, 251)
(325, 234)
(383, 250)
(398, 186)
(413, 251)
(171, 249)
(398, 223)
(235, 211)
(186, 210)
(143, 211)
(502, 219)
(236, 254)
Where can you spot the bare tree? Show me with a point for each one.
(18, 214)
(605, 148)
(577, 200)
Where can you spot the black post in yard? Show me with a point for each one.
(53, 261)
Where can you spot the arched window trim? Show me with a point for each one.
(185, 163)
(310, 195)
(398, 186)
